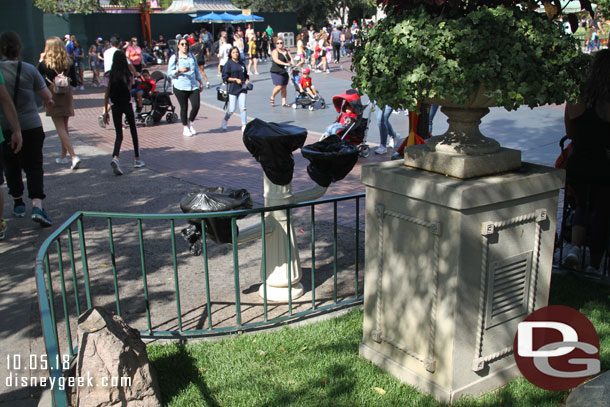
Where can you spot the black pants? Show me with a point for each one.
(184, 96)
(117, 116)
(29, 160)
(336, 51)
(593, 212)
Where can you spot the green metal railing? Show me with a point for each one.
(71, 300)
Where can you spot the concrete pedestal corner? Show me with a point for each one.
(452, 266)
(460, 165)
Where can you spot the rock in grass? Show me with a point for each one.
(113, 358)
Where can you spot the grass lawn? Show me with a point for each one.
(318, 365)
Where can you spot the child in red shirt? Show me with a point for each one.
(305, 84)
(145, 86)
(347, 118)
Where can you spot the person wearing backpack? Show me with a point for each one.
(57, 69)
(23, 83)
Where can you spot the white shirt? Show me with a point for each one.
(108, 55)
(224, 52)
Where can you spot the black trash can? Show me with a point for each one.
(330, 160)
(272, 144)
(216, 199)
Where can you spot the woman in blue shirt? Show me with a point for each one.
(235, 75)
(187, 83)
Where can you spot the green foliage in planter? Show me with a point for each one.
(519, 57)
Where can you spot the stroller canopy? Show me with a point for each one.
(349, 96)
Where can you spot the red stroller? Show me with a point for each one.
(355, 132)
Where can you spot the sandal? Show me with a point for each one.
(287, 105)
(272, 102)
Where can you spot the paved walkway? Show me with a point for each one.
(175, 165)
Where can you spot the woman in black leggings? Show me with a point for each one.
(187, 83)
(119, 84)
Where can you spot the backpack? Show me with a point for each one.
(61, 84)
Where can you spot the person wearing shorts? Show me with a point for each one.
(279, 75)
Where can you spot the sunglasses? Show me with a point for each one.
(280, 42)
(183, 43)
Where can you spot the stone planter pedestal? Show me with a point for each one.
(452, 266)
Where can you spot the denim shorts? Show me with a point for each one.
(279, 79)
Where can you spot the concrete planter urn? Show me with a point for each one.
(463, 135)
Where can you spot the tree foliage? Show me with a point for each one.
(519, 57)
(79, 6)
(317, 12)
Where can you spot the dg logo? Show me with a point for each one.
(557, 348)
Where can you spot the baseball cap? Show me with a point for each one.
(306, 70)
(67, 36)
(178, 37)
(99, 39)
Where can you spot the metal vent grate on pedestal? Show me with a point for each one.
(508, 289)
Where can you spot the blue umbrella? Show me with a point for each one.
(206, 18)
(225, 18)
(247, 19)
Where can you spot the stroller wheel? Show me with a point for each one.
(311, 107)
(171, 117)
(149, 121)
(364, 150)
(294, 106)
(322, 104)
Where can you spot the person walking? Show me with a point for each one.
(300, 57)
(234, 73)
(264, 46)
(14, 143)
(187, 84)
(385, 129)
(279, 75)
(224, 45)
(78, 58)
(23, 83)
(94, 65)
(252, 53)
(55, 62)
(335, 37)
(120, 82)
(198, 50)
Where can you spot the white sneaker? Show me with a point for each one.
(187, 132)
(75, 163)
(380, 150)
(207, 85)
(573, 257)
(138, 164)
(65, 160)
(224, 125)
(82, 87)
(391, 143)
(192, 129)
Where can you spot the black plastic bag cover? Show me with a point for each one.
(272, 145)
(330, 159)
(217, 199)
